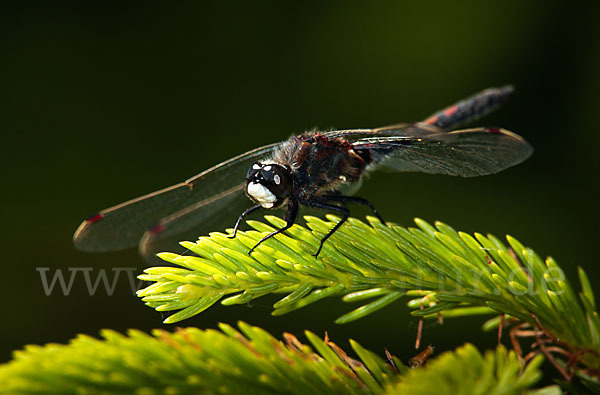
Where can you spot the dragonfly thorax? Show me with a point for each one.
(269, 184)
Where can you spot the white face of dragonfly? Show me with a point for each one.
(261, 194)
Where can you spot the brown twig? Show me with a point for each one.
(419, 330)
(390, 358)
(554, 362)
(513, 339)
(420, 358)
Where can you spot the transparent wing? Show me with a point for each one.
(213, 190)
(465, 153)
(216, 213)
(399, 130)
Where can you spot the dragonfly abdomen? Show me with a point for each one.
(470, 108)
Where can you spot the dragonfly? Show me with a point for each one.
(318, 170)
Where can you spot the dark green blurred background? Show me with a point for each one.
(101, 104)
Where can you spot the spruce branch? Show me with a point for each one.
(467, 371)
(249, 361)
(451, 274)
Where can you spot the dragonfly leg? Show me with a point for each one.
(239, 220)
(355, 199)
(290, 219)
(318, 204)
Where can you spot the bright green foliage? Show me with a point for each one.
(249, 361)
(451, 272)
(192, 360)
(466, 371)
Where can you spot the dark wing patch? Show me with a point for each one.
(470, 108)
(123, 226)
(465, 153)
(466, 110)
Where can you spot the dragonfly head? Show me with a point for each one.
(269, 184)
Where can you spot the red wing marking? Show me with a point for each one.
(431, 120)
(95, 218)
(156, 229)
(450, 110)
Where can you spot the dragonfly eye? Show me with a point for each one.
(253, 170)
(277, 179)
